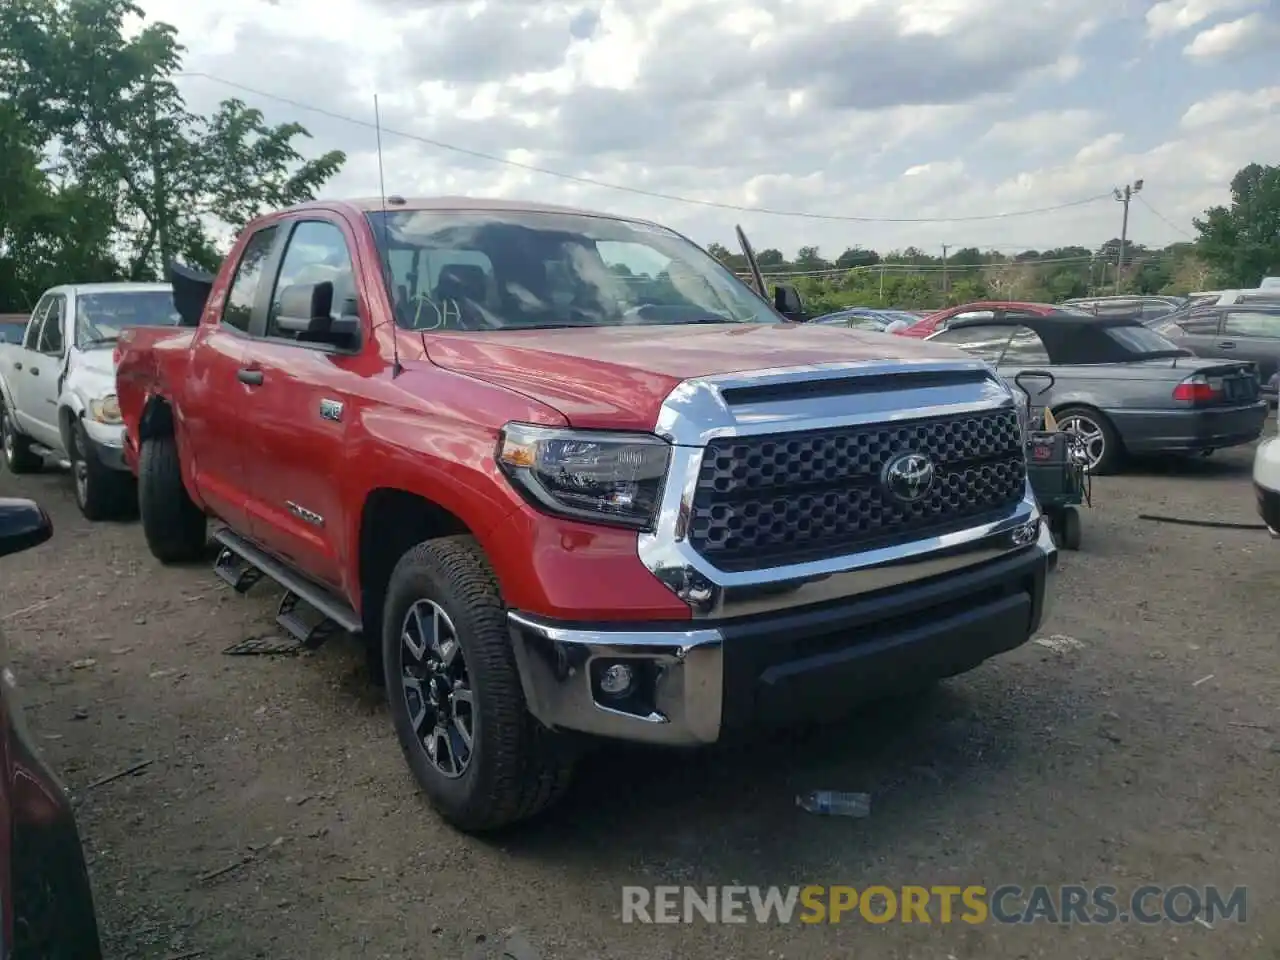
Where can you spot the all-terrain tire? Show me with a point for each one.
(18, 455)
(517, 767)
(177, 531)
(101, 492)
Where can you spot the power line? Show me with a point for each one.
(960, 268)
(639, 191)
(1160, 216)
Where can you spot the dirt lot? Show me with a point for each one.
(276, 818)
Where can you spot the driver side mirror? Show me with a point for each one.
(306, 310)
(23, 525)
(786, 300)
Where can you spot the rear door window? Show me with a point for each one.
(238, 310)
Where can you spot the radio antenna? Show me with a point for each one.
(385, 259)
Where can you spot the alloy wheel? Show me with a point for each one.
(1088, 433)
(437, 688)
(6, 429)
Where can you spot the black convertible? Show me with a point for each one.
(1118, 385)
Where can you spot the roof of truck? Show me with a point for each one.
(120, 287)
(394, 202)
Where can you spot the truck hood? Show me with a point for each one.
(618, 377)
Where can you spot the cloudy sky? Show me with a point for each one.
(877, 109)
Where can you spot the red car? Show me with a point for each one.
(935, 322)
(46, 904)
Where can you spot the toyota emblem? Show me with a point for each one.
(909, 477)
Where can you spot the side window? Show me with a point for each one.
(51, 331)
(1242, 323)
(32, 335)
(317, 252)
(984, 340)
(1200, 321)
(238, 309)
(1025, 349)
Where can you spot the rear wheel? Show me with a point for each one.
(176, 529)
(18, 455)
(454, 690)
(101, 493)
(1103, 452)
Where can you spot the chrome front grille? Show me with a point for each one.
(774, 499)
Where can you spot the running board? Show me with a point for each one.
(49, 453)
(242, 564)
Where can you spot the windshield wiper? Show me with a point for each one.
(98, 342)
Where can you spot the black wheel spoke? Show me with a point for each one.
(436, 688)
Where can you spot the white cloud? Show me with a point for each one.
(893, 109)
(1099, 149)
(1046, 128)
(1174, 16)
(1231, 106)
(1254, 32)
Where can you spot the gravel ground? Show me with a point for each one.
(275, 817)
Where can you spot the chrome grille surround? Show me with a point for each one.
(851, 398)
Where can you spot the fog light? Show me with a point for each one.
(617, 680)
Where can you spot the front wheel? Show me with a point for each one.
(454, 690)
(101, 493)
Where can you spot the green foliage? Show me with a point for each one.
(105, 174)
(1241, 243)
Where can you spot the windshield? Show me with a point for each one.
(520, 270)
(101, 316)
(1144, 340)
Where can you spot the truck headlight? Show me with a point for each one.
(591, 475)
(106, 410)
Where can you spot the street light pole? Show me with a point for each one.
(1124, 196)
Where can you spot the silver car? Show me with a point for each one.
(1120, 386)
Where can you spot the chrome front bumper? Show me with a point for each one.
(698, 679)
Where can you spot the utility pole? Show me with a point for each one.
(946, 287)
(1124, 197)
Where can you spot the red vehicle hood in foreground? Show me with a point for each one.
(618, 377)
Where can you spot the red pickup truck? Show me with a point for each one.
(569, 476)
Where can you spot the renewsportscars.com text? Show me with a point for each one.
(1008, 904)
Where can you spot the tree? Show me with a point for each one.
(154, 176)
(1241, 243)
(857, 257)
(808, 259)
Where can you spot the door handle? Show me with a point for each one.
(35, 372)
(252, 377)
(17, 365)
(1226, 345)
